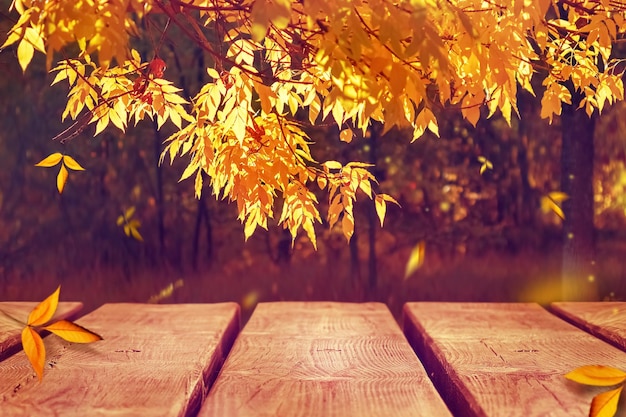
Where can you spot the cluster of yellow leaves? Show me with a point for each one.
(101, 26)
(66, 162)
(485, 164)
(550, 203)
(38, 320)
(129, 224)
(604, 404)
(119, 94)
(351, 61)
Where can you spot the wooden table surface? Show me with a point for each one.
(317, 359)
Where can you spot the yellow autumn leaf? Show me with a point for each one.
(34, 38)
(135, 233)
(597, 375)
(485, 164)
(558, 196)
(72, 332)
(347, 226)
(212, 72)
(416, 259)
(62, 178)
(44, 311)
(549, 202)
(50, 160)
(381, 208)
(346, 135)
(25, 52)
(332, 165)
(71, 163)
(166, 292)
(605, 404)
(34, 349)
(129, 212)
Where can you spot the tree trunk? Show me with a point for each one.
(577, 274)
(372, 265)
(159, 192)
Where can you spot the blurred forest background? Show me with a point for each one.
(486, 236)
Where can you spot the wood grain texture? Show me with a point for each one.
(10, 331)
(505, 360)
(322, 359)
(155, 360)
(606, 320)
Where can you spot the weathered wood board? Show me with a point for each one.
(606, 320)
(505, 360)
(322, 359)
(10, 331)
(155, 360)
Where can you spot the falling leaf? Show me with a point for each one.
(135, 233)
(34, 349)
(550, 202)
(130, 225)
(597, 375)
(346, 135)
(605, 404)
(50, 160)
(62, 178)
(485, 164)
(250, 300)
(416, 259)
(44, 311)
(72, 332)
(558, 196)
(71, 163)
(166, 292)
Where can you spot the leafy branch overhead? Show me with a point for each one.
(279, 66)
(38, 320)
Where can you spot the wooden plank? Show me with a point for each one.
(505, 359)
(155, 360)
(10, 331)
(606, 320)
(322, 359)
